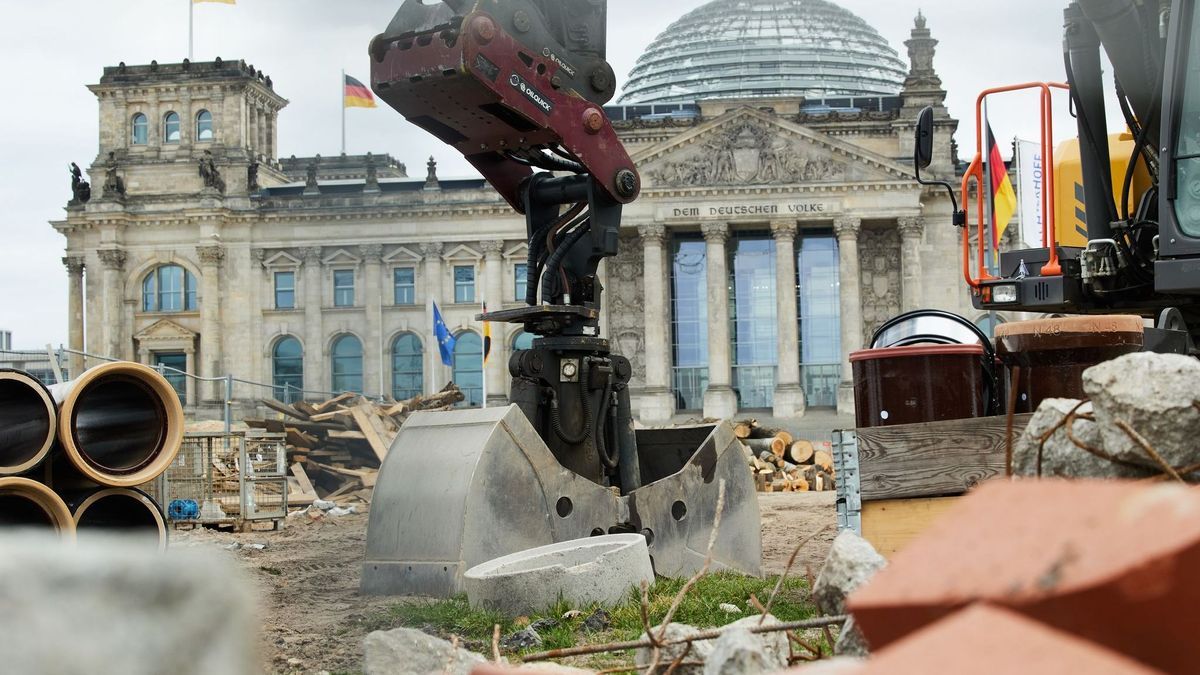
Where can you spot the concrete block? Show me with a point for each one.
(773, 645)
(405, 651)
(838, 665)
(596, 570)
(110, 605)
(700, 651)
(851, 641)
(1107, 561)
(739, 652)
(851, 562)
(1061, 458)
(1156, 395)
(986, 639)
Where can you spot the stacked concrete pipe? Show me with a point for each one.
(92, 440)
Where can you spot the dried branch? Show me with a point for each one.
(449, 667)
(496, 644)
(786, 570)
(679, 659)
(1012, 411)
(646, 614)
(793, 639)
(712, 634)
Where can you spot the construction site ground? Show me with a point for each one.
(307, 577)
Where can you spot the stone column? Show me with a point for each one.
(263, 145)
(374, 359)
(314, 333)
(436, 374)
(720, 401)
(187, 121)
(75, 266)
(113, 320)
(493, 276)
(657, 403)
(189, 386)
(847, 229)
(789, 395)
(212, 362)
(912, 229)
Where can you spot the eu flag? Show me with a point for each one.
(444, 338)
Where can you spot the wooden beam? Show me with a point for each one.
(306, 486)
(285, 409)
(891, 524)
(364, 416)
(935, 459)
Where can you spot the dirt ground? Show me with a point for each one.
(307, 574)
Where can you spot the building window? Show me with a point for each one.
(285, 290)
(464, 284)
(523, 341)
(753, 326)
(521, 281)
(689, 321)
(204, 126)
(141, 129)
(173, 368)
(818, 293)
(468, 368)
(171, 130)
(287, 367)
(343, 288)
(169, 288)
(348, 364)
(405, 281)
(408, 372)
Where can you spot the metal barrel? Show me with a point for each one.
(124, 511)
(28, 503)
(119, 424)
(28, 419)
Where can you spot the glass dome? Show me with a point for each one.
(765, 48)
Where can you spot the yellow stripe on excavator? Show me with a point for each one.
(1068, 171)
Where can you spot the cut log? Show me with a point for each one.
(801, 452)
(827, 482)
(772, 445)
(768, 458)
(824, 459)
(743, 428)
(800, 485)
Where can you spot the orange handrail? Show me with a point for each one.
(975, 171)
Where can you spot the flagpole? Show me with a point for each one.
(483, 358)
(191, 26)
(342, 90)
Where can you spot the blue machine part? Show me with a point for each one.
(183, 509)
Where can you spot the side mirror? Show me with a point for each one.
(923, 148)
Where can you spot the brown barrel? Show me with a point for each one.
(1053, 353)
(922, 383)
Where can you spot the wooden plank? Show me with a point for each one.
(936, 459)
(891, 524)
(348, 435)
(285, 409)
(306, 485)
(364, 416)
(331, 403)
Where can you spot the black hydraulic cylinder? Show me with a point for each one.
(1085, 74)
(630, 471)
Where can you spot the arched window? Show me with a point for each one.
(468, 368)
(408, 373)
(169, 288)
(523, 341)
(348, 364)
(141, 129)
(171, 132)
(204, 127)
(287, 366)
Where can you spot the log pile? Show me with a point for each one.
(335, 447)
(783, 464)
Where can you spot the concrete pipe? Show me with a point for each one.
(119, 424)
(123, 511)
(28, 420)
(28, 503)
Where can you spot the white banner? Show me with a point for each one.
(1029, 191)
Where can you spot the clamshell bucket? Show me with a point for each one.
(461, 488)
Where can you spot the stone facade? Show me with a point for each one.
(294, 230)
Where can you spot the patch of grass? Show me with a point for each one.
(700, 608)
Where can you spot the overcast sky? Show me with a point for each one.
(53, 48)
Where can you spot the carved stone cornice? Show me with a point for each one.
(653, 233)
(492, 247)
(75, 264)
(372, 253)
(311, 255)
(432, 249)
(784, 229)
(211, 255)
(112, 258)
(715, 233)
(847, 227)
(911, 227)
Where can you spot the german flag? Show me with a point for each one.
(219, 2)
(487, 337)
(1004, 198)
(358, 95)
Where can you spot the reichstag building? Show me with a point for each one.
(778, 226)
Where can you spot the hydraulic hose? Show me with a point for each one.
(557, 258)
